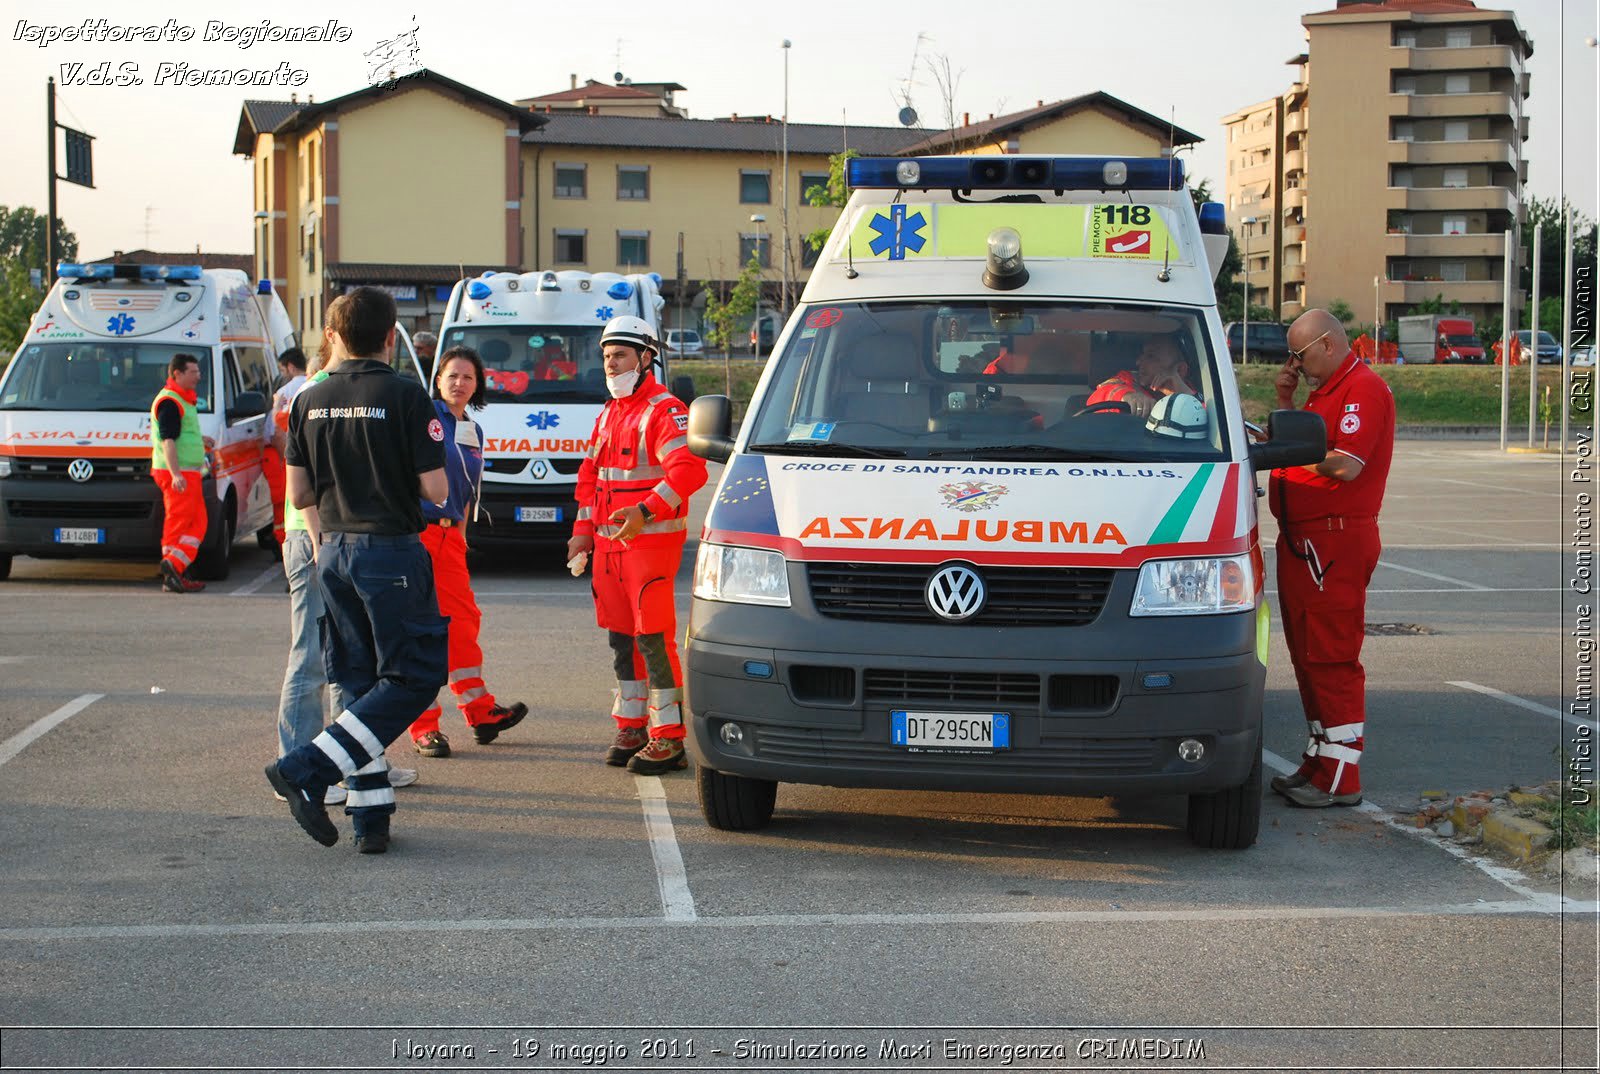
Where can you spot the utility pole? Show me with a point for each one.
(50, 213)
(787, 299)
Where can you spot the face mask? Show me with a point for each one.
(622, 385)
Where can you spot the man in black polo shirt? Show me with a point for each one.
(363, 446)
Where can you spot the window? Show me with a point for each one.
(1456, 130)
(1460, 83)
(809, 180)
(1453, 271)
(1454, 225)
(1405, 38)
(808, 256)
(633, 249)
(572, 180)
(1455, 178)
(759, 246)
(570, 246)
(1402, 177)
(633, 182)
(1458, 38)
(1405, 84)
(755, 187)
(1404, 132)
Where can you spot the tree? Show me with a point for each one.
(1552, 260)
(1341, 311)
(834, 194)
(725, 317)
(22, 238)
(19, 299)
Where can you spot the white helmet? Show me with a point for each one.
(632, 331)
(1179, 415)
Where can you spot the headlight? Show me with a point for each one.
(1195, 586)
(5, 466)
(741, 575)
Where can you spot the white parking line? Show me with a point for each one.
(274, 571)
(677, 904)
(21, 740)
(1522, 703)
(1430, 574)
(1500, 488)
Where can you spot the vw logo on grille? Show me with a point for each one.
(955, 592)
(80, 469)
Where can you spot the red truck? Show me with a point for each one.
(1436, 337)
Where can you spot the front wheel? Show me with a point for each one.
(5, 566)
(1228, 819)
(735, 803)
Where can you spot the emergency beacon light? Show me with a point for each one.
(1017, 173)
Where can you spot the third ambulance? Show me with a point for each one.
(947, 551)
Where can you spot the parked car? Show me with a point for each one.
(1549, 349)
(684, 343)
(769, 333)
(1583, 355)
(1269, 342)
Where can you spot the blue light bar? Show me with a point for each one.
(155, 273)
(1017, 173)
(477, 290)
(655, 277)
(85, 272)
(1212, 221)
(263, 287)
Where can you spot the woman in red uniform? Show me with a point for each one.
(458, 385)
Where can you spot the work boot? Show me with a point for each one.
(174, 581)
(504, 720)
(306, 805)
(1309, 796)
(433, 744)
(659, 755)
(1282, 784)
(629, 741)
(372, 843)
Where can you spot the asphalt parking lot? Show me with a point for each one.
(537, 900)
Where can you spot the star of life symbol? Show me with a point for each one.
(898, 233)
(972, 496)
(543, 419)
(120, 325)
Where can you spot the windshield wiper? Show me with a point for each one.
(822, 447)
(1021, 451)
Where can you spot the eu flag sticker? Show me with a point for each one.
(744, 504)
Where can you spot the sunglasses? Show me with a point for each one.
(1300, 355)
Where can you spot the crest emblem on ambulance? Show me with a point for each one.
(972, 495)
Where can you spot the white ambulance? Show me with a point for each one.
(75, 410)
(957, 544)
(538, 334)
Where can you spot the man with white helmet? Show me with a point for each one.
(633, 504)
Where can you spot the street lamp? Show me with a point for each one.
(784, 297)
(755, 329)
(1245, 335)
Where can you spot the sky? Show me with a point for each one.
(166, 177)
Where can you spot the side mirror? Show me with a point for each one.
(247, 405)
(1297, 438)
(711, 427)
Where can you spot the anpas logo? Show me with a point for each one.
(544, 419)
(972, 495)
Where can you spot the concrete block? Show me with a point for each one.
(1517, 836)
(1524, 798)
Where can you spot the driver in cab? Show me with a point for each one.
(1158, 371)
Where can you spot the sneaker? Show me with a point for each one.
(402, 777)
(1309, 796)
(433, 744)
(504, 720)
(308, 811)
(335, 796)
(659, 755)
(1282, 784)
(629, 741)
(373, 843)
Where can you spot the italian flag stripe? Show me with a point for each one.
(1173, 523)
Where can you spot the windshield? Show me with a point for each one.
(1465, 341)
(1000, 380)
(99, 374)
(523, 363)
(1545, 338)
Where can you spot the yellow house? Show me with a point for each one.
(406, 187)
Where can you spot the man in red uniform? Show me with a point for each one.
(1159, 371)
(1327, 548)
(633, 505)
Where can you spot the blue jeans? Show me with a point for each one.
(300, 712)
(384, 642)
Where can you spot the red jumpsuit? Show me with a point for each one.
(1328, 546)
(1118, 388)
(640, 455)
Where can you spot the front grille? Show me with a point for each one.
(828, 684)
(565, 467)
(965, 687)
(504, 466)
(96, 509)
(1017, 596)
(104, 469)
(1083, 756)
(1089, 692)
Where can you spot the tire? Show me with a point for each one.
(1228, 819)
(734, 803)
(5, 566)
(215, 562)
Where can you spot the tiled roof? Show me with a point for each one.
(724, 135)
(246, 263)
(343, 272)
(1017, 121)
(594, 89)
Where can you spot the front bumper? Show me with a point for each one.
(497, 523)
(128, 515)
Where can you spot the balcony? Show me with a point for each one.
(1455, 246)
(1451, 105)
(1466, 292)
(1295, 273)
(1294, 234)
(1289, 310)
(1294, 122)
(1471, 58)
(1446, 199)
(1475, 151)
(1294, 197)
(1294, 161)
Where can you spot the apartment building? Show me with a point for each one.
(1416, 135)
(407, 186)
